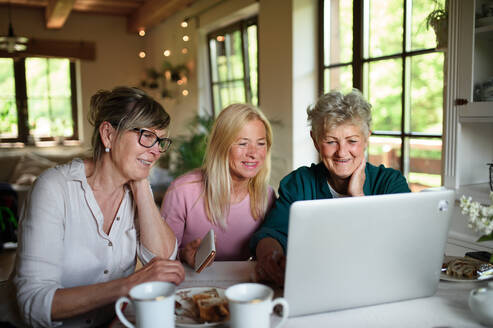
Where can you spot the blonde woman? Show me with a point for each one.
(230, 193)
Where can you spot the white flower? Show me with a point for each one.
(480, 217)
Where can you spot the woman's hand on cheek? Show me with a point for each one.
(357, 180)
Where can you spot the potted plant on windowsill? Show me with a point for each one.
(438, 20)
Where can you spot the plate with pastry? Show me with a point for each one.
(465, 269)
(201, 307)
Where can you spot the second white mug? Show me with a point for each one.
(154, 304)
(251, 304)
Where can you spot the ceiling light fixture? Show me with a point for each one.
(12, 43)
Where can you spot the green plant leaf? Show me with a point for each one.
(190, 149)
(485, 238)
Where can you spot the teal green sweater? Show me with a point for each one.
(308, 183)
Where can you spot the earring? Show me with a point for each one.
(107, 150)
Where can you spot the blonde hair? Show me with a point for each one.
(215, 170)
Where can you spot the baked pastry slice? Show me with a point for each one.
(213, 309)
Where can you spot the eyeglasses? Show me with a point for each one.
(148, 139)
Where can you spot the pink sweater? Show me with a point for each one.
(184, 211)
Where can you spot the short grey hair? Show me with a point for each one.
(334, 109)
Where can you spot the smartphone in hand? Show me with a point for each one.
(206, 251)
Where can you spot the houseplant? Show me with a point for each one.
(166, 79)
(189, 150)
(438, 20)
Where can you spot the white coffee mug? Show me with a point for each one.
(250, 305)
(154, 304)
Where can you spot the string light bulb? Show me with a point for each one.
(186, 38)
(185, 92)
(142, 32)
(220, 38)
(167, 53)
(142, 54)
(184, 23)
(184, 51)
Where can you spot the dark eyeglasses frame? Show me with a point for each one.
(168, 140)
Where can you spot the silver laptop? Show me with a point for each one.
(351, 252)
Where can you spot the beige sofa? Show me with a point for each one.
(20, 167)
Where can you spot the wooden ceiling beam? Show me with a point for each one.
(153, 12)
(57, 12)
(85, 50)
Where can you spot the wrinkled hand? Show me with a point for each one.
(158, 269)
(271, 268)
(355, 187)
(187, 253)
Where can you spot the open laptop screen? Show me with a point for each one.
(358, 251)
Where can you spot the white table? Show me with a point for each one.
(447, 308)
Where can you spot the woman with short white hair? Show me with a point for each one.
(340, 130)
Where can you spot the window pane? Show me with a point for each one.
(425, 163)
(427, 93)
(386, 151)
(228, 93)
(49, 97)
(339, 78)
(213, 44)
(8, 106)
(217, 100)
(235, 55)
(383, 88)
(385, 27)
(227, 57)
(338, 31)
(252, 62)
(422, 38)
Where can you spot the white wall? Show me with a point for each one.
(117, 61)
(287, 63)
(287, 68)
(305, 78)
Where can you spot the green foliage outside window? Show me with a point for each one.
(49, 98)
(8, 108)
(393, 78)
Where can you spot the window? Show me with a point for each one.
(37, 99)
(233, 53)
(384, 49)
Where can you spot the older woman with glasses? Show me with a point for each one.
(85, 222)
